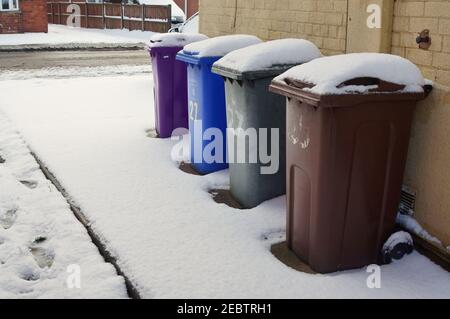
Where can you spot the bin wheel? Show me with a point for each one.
(397, 246)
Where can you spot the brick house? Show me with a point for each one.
(191, 5)
(18, 16)
(340, 26)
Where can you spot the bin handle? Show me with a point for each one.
(298, 84)
(428, 88)
(382, 86)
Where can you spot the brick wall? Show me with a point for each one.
(34, 15)
(192, 6)
(321, 21)
(11, 22)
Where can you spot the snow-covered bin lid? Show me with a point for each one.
(175, 39)
(220, 46)
(356, 73)
(266, 59)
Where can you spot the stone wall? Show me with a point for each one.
(321, 21)
(339, 26)
(428, 168)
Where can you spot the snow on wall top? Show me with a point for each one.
(329, 72)
(175, 39)
(265, 55)
(220, 46)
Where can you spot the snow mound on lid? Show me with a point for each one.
(175, 39)
(221, 46)
(266, 55)
(327, 73)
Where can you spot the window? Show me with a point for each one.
(9, 5)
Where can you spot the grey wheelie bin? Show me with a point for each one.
(256, 118)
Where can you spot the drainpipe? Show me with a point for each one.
(186, 8)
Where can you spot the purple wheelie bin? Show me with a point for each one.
(170, 81)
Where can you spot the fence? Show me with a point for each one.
(156, 18)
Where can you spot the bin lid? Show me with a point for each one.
(330, 81)
(174, 39)
(266, 59)
(220, 46)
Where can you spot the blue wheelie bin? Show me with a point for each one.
(206, 96)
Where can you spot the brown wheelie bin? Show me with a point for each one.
(345, 161)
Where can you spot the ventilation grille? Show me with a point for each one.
(407, 201)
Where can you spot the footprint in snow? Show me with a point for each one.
(2, 241)
(2, 160)
(43, 257)
(39, 240)
(26, 291)
(30, 184)
(29, 274)
(275, 236)
(8, 218)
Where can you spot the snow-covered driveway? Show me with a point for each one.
(170, 237)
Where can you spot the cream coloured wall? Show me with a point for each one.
(339, 26)
(324, 22)
(428, 167)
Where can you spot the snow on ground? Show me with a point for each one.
(40, 237)
(60, 34)
(170, 237)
